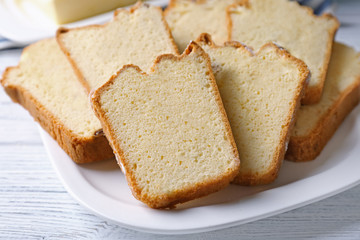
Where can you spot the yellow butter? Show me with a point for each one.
(66, 11)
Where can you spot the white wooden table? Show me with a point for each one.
(34, 204)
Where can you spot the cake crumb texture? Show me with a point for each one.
(169, 129)
(261, 93)
(316, 123)
(136, 36)
(294, 27)
(45, 84)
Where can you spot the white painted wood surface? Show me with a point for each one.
(34, 204)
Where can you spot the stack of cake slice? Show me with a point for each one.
(179, 125)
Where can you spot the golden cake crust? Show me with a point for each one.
(272, 173)
(307, 148)
(181, 195)
(61, 31)
(313, 93)
(80, 149)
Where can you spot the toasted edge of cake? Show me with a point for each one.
(269, 176)
(309, 146)
(198, 189)
(312, 94)
(175, 12)
(80, 149)
(62, 31)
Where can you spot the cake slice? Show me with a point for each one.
(294, 27)
(261, 93)
(316, 124)
(169, 129)
(136, 36)
(187, 19)
(45, 84)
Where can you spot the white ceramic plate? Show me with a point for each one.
(25, 26)
(102, 188)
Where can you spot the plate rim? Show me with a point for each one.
(346, 183)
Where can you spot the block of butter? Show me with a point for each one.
(66, 11)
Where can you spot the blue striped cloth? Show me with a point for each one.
(319, 6)
(7, 44)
